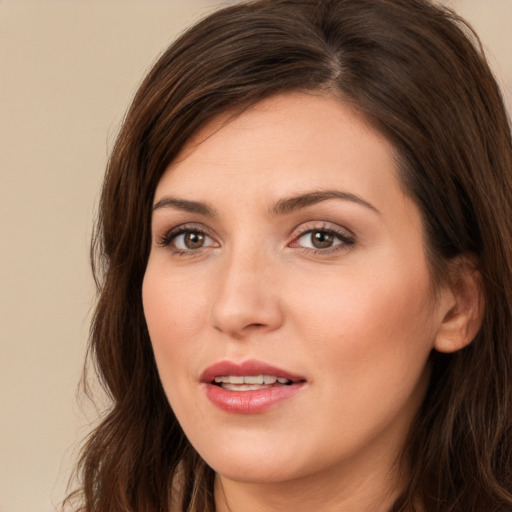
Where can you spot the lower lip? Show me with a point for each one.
(250, 402)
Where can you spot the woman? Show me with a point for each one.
(305, 248)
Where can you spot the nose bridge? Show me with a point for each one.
(246, 296)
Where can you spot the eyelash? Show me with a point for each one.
(168, 238)
(345, 240)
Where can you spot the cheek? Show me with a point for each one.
(174, 302)
(369, 345)
(175, 314)
(175, 310)
(370, 325)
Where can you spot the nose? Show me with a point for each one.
(247, 298)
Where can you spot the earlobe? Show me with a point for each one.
(462, 307)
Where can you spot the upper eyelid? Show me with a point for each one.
(308, 226)
(186, 226)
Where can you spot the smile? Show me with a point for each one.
(250, 387)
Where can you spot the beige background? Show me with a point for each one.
(67, 72)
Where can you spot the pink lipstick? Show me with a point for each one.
(250, 387)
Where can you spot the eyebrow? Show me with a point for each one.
(291, 204)
(282, 207)
(185, 205)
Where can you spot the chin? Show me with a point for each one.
(254, 461)
(257, 472)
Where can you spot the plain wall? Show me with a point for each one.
(67, 72)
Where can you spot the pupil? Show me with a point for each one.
(321, 239)
(194, 240)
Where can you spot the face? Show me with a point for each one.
(287, 293)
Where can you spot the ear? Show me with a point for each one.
(461, 306)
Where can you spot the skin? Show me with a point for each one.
(358, 319)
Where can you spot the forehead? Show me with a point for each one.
(294, 141)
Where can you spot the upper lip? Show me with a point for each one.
(251, 367)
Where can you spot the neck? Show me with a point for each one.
(373, 489)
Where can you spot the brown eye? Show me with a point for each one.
(193, 240)
(321, 239)
(188, 240)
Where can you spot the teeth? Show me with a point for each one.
(250, 379)
(245, 387)
(254, 379)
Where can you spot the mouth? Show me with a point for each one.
(249, 387)
(248, 373)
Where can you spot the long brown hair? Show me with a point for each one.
(416, 72)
